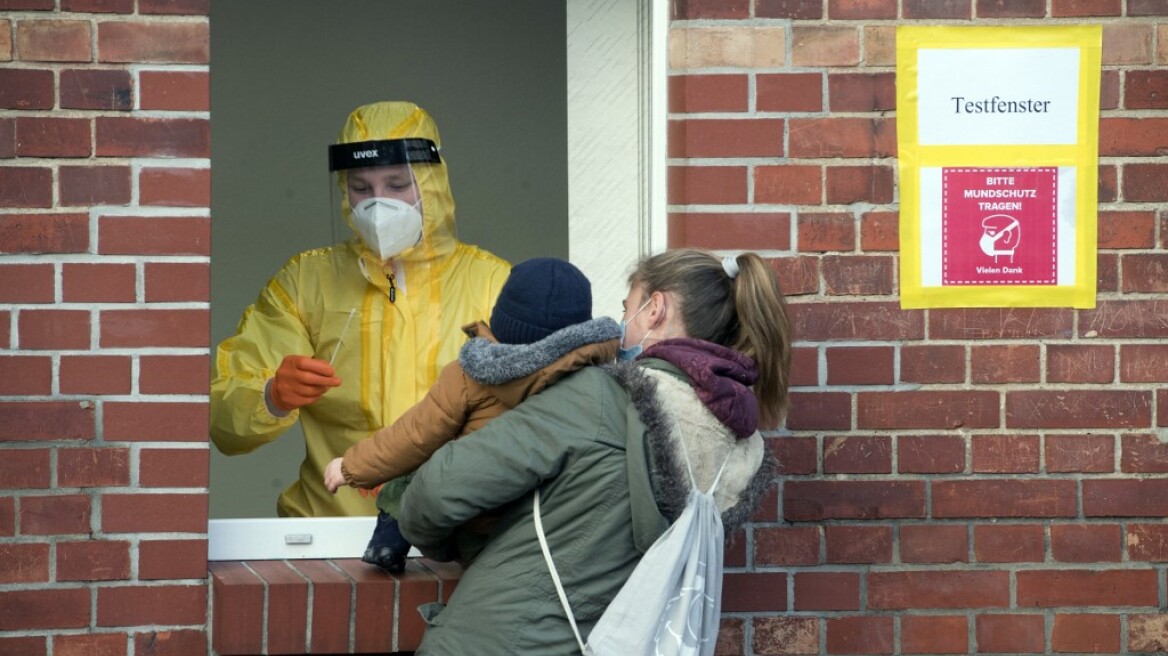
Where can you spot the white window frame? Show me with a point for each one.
(616, 214)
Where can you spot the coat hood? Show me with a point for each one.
(401, 120)
(491, 363)
(721, 377)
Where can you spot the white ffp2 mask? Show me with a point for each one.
(388, 226)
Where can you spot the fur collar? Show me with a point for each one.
(492, 363)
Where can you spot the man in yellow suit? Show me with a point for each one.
(347, 337)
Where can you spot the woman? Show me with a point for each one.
(709, 344)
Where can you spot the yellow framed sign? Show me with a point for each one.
(998, 147)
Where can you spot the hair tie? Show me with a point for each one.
(730, 265)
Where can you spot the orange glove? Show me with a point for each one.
(301, 380)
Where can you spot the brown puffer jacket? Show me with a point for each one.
(487, 379)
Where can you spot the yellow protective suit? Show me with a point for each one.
(392, 351)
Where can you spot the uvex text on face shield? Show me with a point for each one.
(365, 154)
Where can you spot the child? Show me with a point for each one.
(541, 330)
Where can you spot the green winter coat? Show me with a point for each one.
(602, 446)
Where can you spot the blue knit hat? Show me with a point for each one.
(542, 295)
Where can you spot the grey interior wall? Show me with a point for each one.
(285, 73)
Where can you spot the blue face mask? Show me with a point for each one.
(631, 352)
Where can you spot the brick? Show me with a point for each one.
(26, 469)
(797, 275)
(93, 560)
(94, 185)
(1148, 632)
(934, 634)
(1010, 633)
(880, 231)
(1125, 319)
(54, 40)
(92, 644)
(174, 374)
(860, 365)
(57, 608)
(54, 329)
(1086, 543)
(171, 643)
(819, 411)
(792, 9)
(135, 328)
(26, 283)
(1078, 409)
(1080, 453)
(1010, 8)
(175, 187)
(951, 9)
(179, 281)
(98, 283)
(140, 41)
(154, 422)
(1127, 43)
(857, 455)
(1127, 230)
(787, 546)
(1107, 272)
(26, 88)
(287, 608)
(821, 232)
(1004, 498)
(1118, 587)
(55, 515)
(945, 543)
(1086, 633)
(796, 455)
(841, 137)
(855, 320)
(1005, 454)
(330, 605)
(1109, 90)
(710, 9)
(45, 420)
(175, 7)
(237, 609)
(785, 635)
(1161, 44)
(1132, 137)
(1009, 543)
(932, 364)
(93, 467)
(7, 133)
(999, 323)
(1108, 191)
(707, 185)
(804, 367)
(102, 374)
(1144, 454)
(154, 513)
(858, 544)
(7, 516)
(731, 231)
(374, 601)
(119, 136)
(826, 591)
(861, 9)
(879, 45)
(820, 500)
(23, 646)
(938, 589)
(861, 92)
(731, 638)
(175, 90)
(1145, 182)
(1138, 363)
(725, 138)
(174, 467)
(44, 233)
(52, 137)
(930, 454)
(1125, 498)
(754, 591)
(1147, 542)
(96, 89)
(143, 605)
(859, 635)
(816, 46)
(788, 185)
(1147, 8)
(1078, 8)
(727, 47)
(1144, 273)
(24, 563)
(172, 559)
(26, 186)
(927, 410)
(6, 47)
(1006, 363)
(859, 184)
(789, 92)
(99, 6)
(131, 235)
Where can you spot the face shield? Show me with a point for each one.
(380, 197)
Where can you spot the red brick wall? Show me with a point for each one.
(104, 289)
(954, 481)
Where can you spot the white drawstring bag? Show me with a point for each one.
(671, 603)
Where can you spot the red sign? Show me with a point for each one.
(999, 226)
